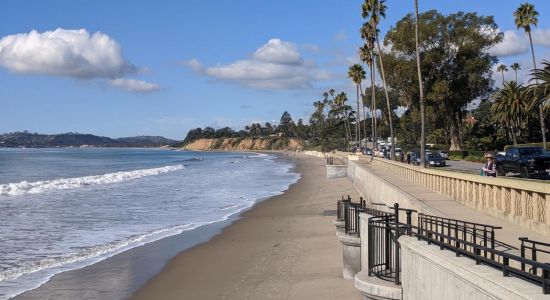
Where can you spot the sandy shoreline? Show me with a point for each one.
(283, 247)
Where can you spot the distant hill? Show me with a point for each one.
(73, 139)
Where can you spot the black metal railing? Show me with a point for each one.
(533, 250)
(453, 233)
(383, 245)
(506, 261)
(351, 218)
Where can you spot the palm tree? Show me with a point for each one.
(377, 9)
(540, 91)
(366, 56)
(509, 108)
(516, 67)
(421, 90)
(502, 68)
(525, 17)
(357, 74)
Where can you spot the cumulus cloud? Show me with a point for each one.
(512, 44)
(275, 65)
(136, 86)
(63, 52)
(72, 53)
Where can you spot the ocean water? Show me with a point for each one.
(62, 209)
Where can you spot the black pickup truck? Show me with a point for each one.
(526, 161)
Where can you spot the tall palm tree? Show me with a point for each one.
(525, 17)
(357, 74)
(421, 90)
(510, 108)
(366, 55)
(516, 67)
(376, 9)
(502, 68)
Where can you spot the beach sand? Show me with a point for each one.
(283, 248)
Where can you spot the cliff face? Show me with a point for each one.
(271, 143)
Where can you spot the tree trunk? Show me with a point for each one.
(373, 128)
(455, 138)
(387, 97)
(422, 112)
(358, 118)
(541, 111)
(364, 115)
(502, 77)
(373, 94)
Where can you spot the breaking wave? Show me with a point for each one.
(37, 187)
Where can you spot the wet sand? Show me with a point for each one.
(283, 248)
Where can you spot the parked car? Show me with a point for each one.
(398, 153)
(415, 158)
(444, 154)
(435, 160)
(369, 152)
(526, 161)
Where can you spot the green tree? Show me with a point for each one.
(502, 68)
(525, 17)
(516, 67)
(540, 90)
(509, 108)
(357, 74)
(455, 64)
(286, 124)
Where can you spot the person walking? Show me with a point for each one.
(408, 158)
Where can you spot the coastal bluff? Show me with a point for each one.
(249, 143)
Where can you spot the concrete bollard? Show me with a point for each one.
(351, 255)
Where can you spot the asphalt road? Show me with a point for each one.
(475, 168)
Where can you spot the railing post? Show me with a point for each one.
(409, 222)
(522, 251)
(506, 263)
(534, 257)
(545, 281)
(397, 263)
(492, 243)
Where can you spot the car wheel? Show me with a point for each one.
(524, 172)
(500, 171)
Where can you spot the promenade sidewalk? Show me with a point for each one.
(449, 208)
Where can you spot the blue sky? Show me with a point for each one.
(123, 68)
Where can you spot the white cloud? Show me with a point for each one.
(512, 44)
(541, 37)
(276, 65)
(71, 53)
(133, 85)
(62, 52)
(278, 52)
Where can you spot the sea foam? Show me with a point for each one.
(25, 187)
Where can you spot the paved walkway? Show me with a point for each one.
(447, 207)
